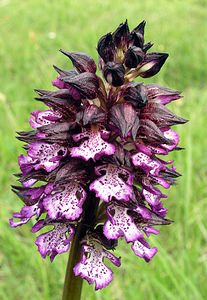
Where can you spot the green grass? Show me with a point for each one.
(27, 54)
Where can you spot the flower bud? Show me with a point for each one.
(106, 47)
(136, 95)
(161, 94)
(114, 73)
(81, 61)
(133, 57)
(138, 35)
(147, 46)
(86, 84)
(121, 35)
(152, 64)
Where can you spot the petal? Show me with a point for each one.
(26, 163)
(29, 196)
(120, 224)
(149, 165)
(41, 118)
(26, 213)
(142, 249)
(45, 156)
(55, 241)
(94, 147)
(173, 136)
(92, 268)
(60, 84)
(155, 203)
(67, 203)
(112, 185)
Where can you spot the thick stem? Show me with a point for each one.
(73, 284)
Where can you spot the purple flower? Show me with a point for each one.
(93, 156)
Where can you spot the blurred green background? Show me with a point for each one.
(32, 32)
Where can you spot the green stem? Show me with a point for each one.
(73, 284)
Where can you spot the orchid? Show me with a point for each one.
(92, 168)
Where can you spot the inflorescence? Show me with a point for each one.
(93, 157)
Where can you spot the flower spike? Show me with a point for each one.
(93, 168)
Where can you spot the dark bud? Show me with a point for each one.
(91, 114)
(152, 64)
(160, 94)
(66, 107)
(161, 116)
(35, 175)
(81, 61)
(136, 95)
(86, 84)
(133, 57)
(121, 35)
(122, 157)
(29, 196)
(63, 73)
(26, 136)
(138, 35)
(106, 47)
(62, 93)
(114, 73)
(71, 171)
(124, 118)
(147, 46)
(151, 134)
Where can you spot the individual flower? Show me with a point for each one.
(93, 163)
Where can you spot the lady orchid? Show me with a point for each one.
(93, 167)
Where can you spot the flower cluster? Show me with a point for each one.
(93, 156)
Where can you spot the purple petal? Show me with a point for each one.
(26, 213)
(158, 150)
(111, 184)
(29, 182)
(60, 84)
(173, 136)
(37, 226)
(55, 241)
(92, 268)
(142, 249)
(120, 224)
(41, 118)
(30, 196)
(44, 156)
(161, 181)
(150, 230)
(66, 203)
(149, 165)
(94, 147)
(26, 164)
(155, 203)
